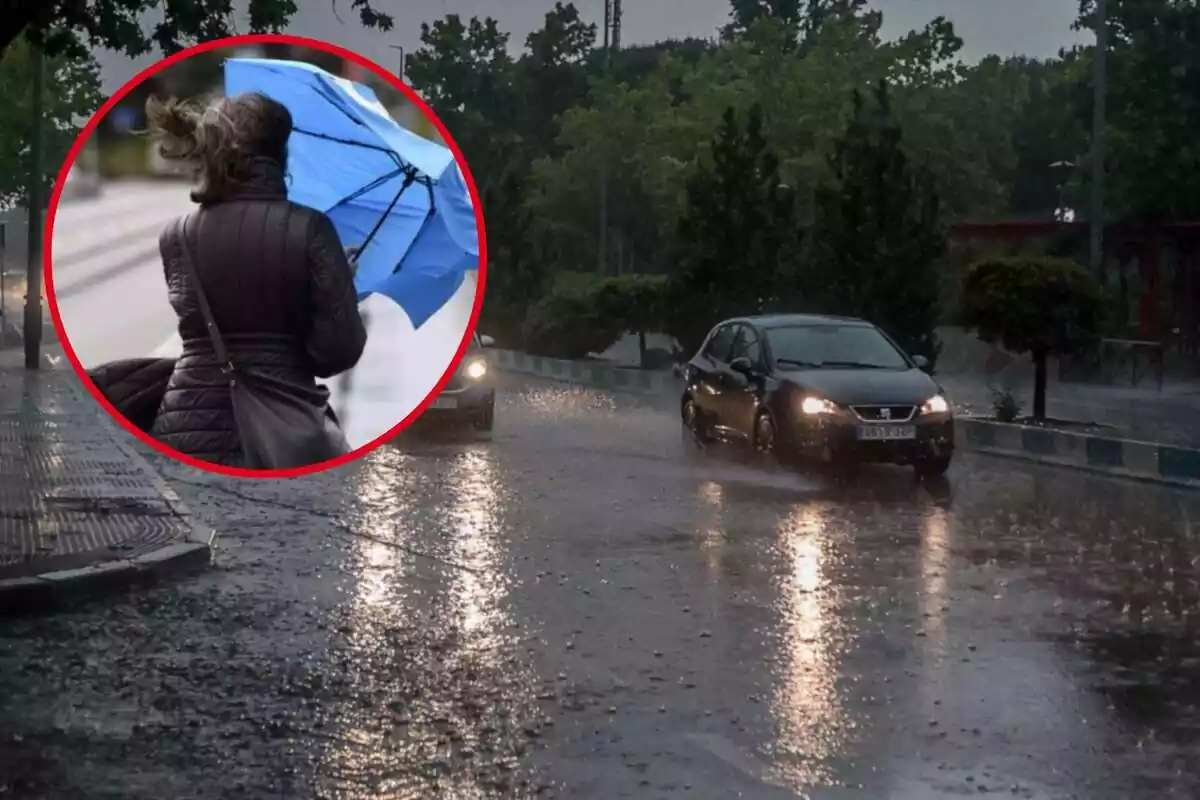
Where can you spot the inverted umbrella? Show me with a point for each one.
(399, 197)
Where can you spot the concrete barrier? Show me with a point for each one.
(587, 373)
(1125, 458)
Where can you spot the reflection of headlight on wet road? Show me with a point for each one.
(475, 369)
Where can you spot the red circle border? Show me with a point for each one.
(89, 129)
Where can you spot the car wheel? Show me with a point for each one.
(693, 429)
(932, 467)
(766, 438)
(486, 418)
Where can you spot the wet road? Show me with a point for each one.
(579, 608)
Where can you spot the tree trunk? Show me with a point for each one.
(1039, 384)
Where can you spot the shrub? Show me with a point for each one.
(636, 302)
(568, 323)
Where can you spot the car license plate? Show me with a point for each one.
(886, 433)
(445, 403)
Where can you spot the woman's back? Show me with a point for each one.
(251, 253)
(276, 278)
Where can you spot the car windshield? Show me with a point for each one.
(833, 347)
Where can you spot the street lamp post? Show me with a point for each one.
(403, 72)
(1099, 141)
(32, 328)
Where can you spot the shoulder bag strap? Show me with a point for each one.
(189, 263)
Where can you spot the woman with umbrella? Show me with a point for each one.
(263, 290)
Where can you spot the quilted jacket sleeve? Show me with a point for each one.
(337, 336)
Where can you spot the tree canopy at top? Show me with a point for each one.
(74, 26)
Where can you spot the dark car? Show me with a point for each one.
(470, 395)
(834, 389)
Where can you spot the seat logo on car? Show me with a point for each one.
(885, 413)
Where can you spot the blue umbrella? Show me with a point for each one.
(398, 196)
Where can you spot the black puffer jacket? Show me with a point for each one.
(282, 294)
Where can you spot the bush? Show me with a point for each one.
(636, 302)
(568, 323)
(585, 314)
(1037, 305)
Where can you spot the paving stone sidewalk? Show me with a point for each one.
(80, 509)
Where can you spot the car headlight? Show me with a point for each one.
(476, 369)
(817, 405)
(936, 405)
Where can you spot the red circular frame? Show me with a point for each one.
(81, 140)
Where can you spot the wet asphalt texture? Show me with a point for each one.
(581, 607)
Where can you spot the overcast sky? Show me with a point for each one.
(1028, 27)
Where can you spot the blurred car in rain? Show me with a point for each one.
(470, 395)
(833, 389)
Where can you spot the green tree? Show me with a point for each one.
(72, 27)
(1153, 107)
(74, 98)
(1040, 306)
(800, 16)
(738, 236)
(552, 75)
(465, 73)
(516, 276)
(1047, 138)
(877, 239)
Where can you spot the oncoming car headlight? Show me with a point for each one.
(936, 405)
(814, 406)
(475, 369)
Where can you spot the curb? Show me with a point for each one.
(61, 589)
(1122, 458)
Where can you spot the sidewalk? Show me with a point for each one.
(1171, 416)
(80, 510)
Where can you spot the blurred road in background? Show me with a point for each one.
(108, 278)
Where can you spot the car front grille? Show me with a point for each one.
(885, 413)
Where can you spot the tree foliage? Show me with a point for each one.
(569, 322)
(74, 27)
(72, 96)
(1153, 107)
(738, 236)
(1030, 305)
(877, 238)
(1041, 306)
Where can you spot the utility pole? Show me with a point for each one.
(37, 202)
(1099, 141)
(612, 41)
(602, 255)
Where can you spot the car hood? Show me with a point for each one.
(865, 386)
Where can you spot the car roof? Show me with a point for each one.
(795, 320)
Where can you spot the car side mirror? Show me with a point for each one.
(742, 365)
(487, 341)
(922, 362)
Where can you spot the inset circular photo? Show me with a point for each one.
(280, 265)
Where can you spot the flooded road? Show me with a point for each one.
(580, 608)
